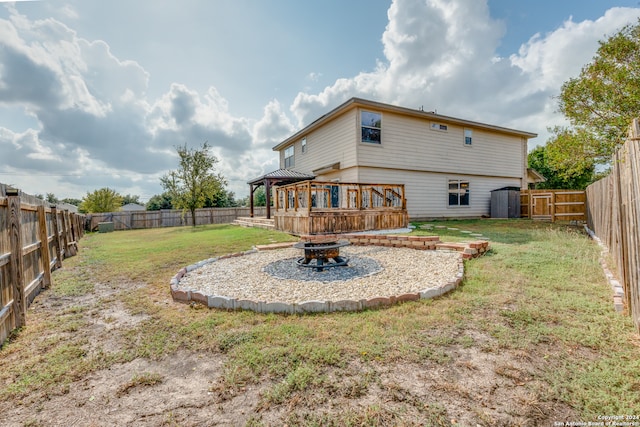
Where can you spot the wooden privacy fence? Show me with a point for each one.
(34, 239)
(553, 205)
(613, 207)
(127, 220)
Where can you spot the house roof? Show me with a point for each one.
(282, 175)
(534, 176)
(359, 102)
(133, 207)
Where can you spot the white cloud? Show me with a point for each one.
(441, 55)
(98, 127)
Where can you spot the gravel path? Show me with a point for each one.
(402, 271)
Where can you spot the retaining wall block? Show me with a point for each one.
(407, 297)
(345, 305)
(312, 307)
(200, 297)
(245, 304)
(618, 305)
(431, 293)
(376, 302)
(276, 307)
(449, 287)
(183, 296)
(216, 301)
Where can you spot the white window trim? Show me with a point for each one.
(439, 127)
(368, 143)
(303, 145)
(458, 206)
(292, 157)
(464, 138)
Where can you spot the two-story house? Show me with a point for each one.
(449, 166)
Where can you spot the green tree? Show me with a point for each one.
(601, 103)
(577, 178)
(102, 200)
(130, 198)
(222, 199)
(259, 197)
(74, 202)
(195, 180)
(160, 201)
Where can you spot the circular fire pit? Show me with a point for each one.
(322, 253)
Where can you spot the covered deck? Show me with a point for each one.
(317, 207)
(278, 177)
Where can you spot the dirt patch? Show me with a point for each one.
(453, 383)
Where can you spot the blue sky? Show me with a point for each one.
(97, 94)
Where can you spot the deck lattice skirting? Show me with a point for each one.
(467, 250)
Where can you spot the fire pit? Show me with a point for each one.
(322, 253)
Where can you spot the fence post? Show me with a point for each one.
(56, 237)
(44, 247)
(15, 262)
(65, 236)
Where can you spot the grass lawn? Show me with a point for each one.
(530, 338)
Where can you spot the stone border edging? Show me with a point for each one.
(467, 251)
(616, 286)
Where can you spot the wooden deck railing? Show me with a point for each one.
(318, 195)
(316, 207)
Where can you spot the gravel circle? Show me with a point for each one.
(402, 271)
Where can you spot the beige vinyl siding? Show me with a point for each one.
(427, 193)
(335, 142)
(343, 175)
(409, 143)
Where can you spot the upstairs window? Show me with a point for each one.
(439, 126)
(458, 192)
(371, 124)
(303, 143)
(468, 137)
(288, 157)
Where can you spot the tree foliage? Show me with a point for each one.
(130, 198)
(601, 103)
(160, 201)
(576, 177)
(259, 198)
(195, 180)
(102, 200)
(71, 201)
(222, 199)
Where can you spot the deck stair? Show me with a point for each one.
(259, 222)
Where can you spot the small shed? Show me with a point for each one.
(505, 202)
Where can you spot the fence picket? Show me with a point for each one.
(25, 253)
(613, 207)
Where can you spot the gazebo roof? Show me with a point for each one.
(282, 175)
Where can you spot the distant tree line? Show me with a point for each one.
(195, 184)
